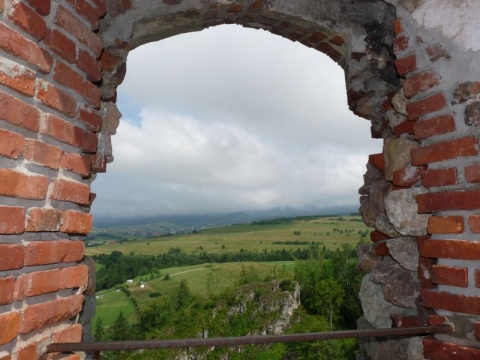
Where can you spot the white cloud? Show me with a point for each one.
(232, 119)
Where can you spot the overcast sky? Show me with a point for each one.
(232, 119)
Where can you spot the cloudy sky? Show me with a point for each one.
(232, 119)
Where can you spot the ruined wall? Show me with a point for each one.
(410, 68)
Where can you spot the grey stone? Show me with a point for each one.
(378, 192)
(405, 251)
(402, 211)
(88, 310)
(399, 102)
(111, 118)
(368, 211)
(366, 257)
(369, 178)
(394, 118)
(402, 289)
(384, 270)
(383, 224)
(397, 155)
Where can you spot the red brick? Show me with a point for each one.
(474, 223)
(451, 249)
(73, 191)
(401, 44)
(472, 173)
(18, 113)
(43, 154)
(439, 350)
(425, 106)
(28, 19)
(12, 220)
(434, 319)
(420, 82)
(28, 352)
(477, 278)
(67, 133)
(98, 164)
(17, 77)
(476, 331)
(445, 225)
(408, 176)
(406, 65)
(11, 144)
(406, 321)
(75, 222)
(444, 151)
(9, 324)
(435, 126)
(88, 12)
(376, 236)
(6, 290)
(72, 334)
(41, 6)
(377, 161)
(57, 99)
(79, 164)
(406, 127)
(74, 277)
(90, 66)
(8, 356)
(337, 40)
(19, 287)
(381, 249)
(436, 52)
(76, 27)
(61, 44)
(51, 252)
(256, 5)
(42, 282)
(109, 61)
(100, 7)
(92, 120)
(17, 184)
(452, 302)
(449, 275)
(1, 10)
(16, 44)
(37, 316)
(452, 200)
(439, 177)
(397, 26)
(70, 78)
(11, 256)
(43, 219)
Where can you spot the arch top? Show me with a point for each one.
(355, 34)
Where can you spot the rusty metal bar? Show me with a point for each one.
(245, 340)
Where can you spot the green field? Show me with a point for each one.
(331, 232)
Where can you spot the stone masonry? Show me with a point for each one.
(411, 69)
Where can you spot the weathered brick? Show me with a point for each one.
(435, 126)
(477, 278)
(476, 331)
(91, 119)
(51, 252)
(449, 275)
(17, 77)
(64, 75)
(37, 316)
(17, 184)
(377, 161)
(66, 20)
(452, 302)
(67, 133)
(381, 249)
(109, 61)
(43, 219)
(408, 176)
(12, 220)
(449, 200)
(79, 164)
(376, 236)
(11, 256)
(27, 19)
(16, 44)
(75, 222)
(88, 12)
(28, 352)
(9, 324)
(19, 113)
(472, 114)
(472, 173)
(100, 7)
(401, 44)
(465, 91)
(42, 282)
(437, 52)
(420, 82)
(440, 350)
(41, 6)
(72, 334)
(6, 290)
(57, 99)
(397, 26)
(74, 277)
(474, 223)
(419, 108)
(43, 154)
(406, 127)
(439, 177)
(406, 65)
(73, 191)
(61, 44)
(451, 249)
(11, 144)
(444, 151)
(445, 225)
(90, 66)
(256, 5)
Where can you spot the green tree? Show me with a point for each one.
(99, 330)
(182, 296)
(120, 328)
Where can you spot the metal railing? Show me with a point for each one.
(97, 347)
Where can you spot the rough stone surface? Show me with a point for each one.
(383, 224)
(405, 349)
(384, 270)
(402, 289)
(397, 155)
(366, 257)
(368, 211)
(399, 102)
(402, 211)
(405, 251)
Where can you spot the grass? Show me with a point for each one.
(251, 237)
(109, 303)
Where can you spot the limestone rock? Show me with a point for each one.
(378, 192)
(383, 225)
(111, 117)
(402, 211)
(402, 289)
(368, 211)
(394, 118)
(384, 271)
(366, 257)
(405, 251)
(397, 155)
(399, 102)
(405, 349)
